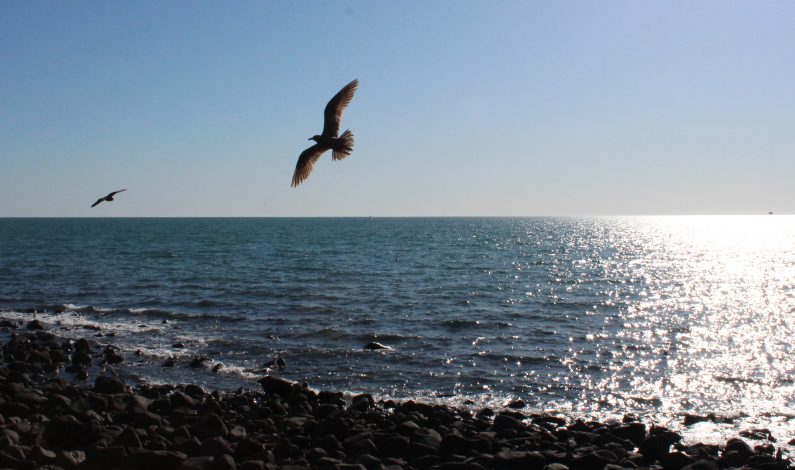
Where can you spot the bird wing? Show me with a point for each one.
(334, 108)
(115, 192)
(305, 163)
(98, 201)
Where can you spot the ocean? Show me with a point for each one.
(590, 317)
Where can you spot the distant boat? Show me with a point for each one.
(770, 213)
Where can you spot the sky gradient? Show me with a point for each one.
(463, 108)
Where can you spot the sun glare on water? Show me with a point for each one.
(712, 329)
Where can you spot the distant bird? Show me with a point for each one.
(108, 198)
(341, 146)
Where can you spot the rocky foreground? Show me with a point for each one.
(49, 422)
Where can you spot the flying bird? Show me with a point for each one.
(340, 147)
(108, 198)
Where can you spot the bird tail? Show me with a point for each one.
(344, 146)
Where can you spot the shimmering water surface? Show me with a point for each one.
(657, 316)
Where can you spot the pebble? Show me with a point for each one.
(49, 422)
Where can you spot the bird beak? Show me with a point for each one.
(309, 138)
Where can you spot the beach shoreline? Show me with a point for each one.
(55, 416)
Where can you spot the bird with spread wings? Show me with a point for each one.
(108, 198)
(340, 147)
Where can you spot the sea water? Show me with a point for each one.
(590, 317)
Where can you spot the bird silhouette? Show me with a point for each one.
(341, 146)
(109, 197)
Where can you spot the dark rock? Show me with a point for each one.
(100, 459)
(200, 362)
(691, 419)
(252, 465)
(42, 455)
(81, 357)
(210, 425)
(375, 346)
(67, 432)
(112, 357)
(169, 363)
(224, 462)
(178, 345)
(215, 446)
(277, 363)
(368, 461)
(740, 446)
(757, 461)
(204, 462)
(182, 399)
(701, 465)
(555, 466)
(394, 446)
(633, 431)
(503, 421)
(519, 460)
(653, 448)
(675, 461)
(427, 437)
(109, 385)
(325, 410)
(329, 443)
(81, 345)
(278, 385)
(195, 391)
(128, 438)
(516, 404)
(156, 459)
(35, 325)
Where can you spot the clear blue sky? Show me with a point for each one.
(464, 108)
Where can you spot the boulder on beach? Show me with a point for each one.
(278, 385)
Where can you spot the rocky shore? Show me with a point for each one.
(53, 420)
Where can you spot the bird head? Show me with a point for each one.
(316, 138)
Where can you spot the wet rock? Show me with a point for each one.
(81, 357)
(278, 385)
(633, 431)
(739, 446)
(35, 325)
(503, 421)
(375, 346)
(112, 357)
(277, 363)
(200, 362)
(691, 419)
